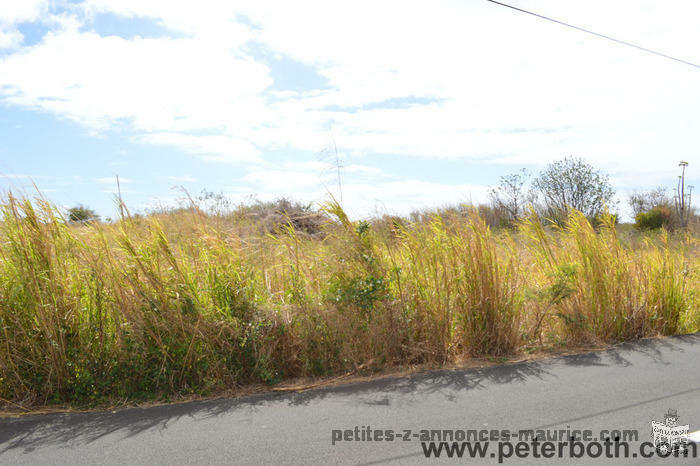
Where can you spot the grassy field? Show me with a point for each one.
(184, 302)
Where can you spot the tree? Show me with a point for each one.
(82, 214)
(572, 183)
(511, 195)
(641, 202)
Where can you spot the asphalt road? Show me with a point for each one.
(623, 388)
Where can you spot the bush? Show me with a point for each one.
(274, 215)
(82, 214)
(647, 200)
(654, 219)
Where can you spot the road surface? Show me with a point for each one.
(623, 388)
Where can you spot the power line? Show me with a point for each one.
(596, 34)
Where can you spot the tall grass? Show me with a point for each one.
(184, 302)
(605, 291)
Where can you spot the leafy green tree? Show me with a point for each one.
(572, 183)
(82, 214)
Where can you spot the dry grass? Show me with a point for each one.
(182, 302)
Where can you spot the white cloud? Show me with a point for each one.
(163, 89)
(404, 196)
(10, 38)
(180, 179)
(15, 12)
(507, 88)
(112, 180)
(364, 188)
(18, 11)
(287, 181)
(221, 148)
(16, 176)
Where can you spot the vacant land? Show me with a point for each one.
(185, 301)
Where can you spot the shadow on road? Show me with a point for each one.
(79, 428)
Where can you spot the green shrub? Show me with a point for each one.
(654, 219)
(82, 214)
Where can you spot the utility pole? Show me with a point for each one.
(682, 199)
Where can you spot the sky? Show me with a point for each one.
(421, 103)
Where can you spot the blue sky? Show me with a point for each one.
(427, 103)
